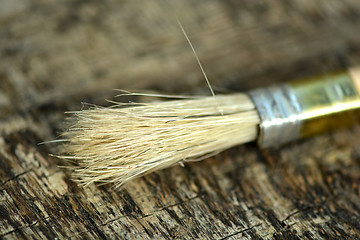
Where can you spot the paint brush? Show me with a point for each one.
(118, 143)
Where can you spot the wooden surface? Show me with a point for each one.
(56, 54)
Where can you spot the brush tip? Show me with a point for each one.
(117, 144)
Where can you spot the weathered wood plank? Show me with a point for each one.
(53, 55)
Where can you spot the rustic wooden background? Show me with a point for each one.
(56, 54)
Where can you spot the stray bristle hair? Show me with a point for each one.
(118, 143)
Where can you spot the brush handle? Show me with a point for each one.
(307, 107)
(355, 76)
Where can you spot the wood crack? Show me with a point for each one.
(24, 226)
(240, 231)
(152, 213)
(14, 177)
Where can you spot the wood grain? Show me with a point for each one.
(56, 54)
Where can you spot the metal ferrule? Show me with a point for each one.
(305, 108)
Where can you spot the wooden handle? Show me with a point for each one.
(355, 75)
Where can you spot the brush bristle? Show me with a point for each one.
(120, 143)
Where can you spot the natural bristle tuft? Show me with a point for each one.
(120, 143)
